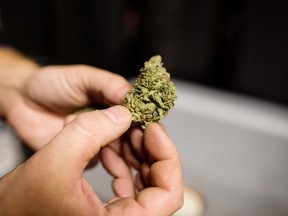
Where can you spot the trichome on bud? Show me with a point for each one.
(152, 95)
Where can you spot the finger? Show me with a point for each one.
(93, 162)
(165, 172)
(72, 149)
(69, 87)
(163, 127)
(145, 173)
(163, 154)
(95, 81)
(130, 157)
(165, 196)
(139, 182)
(123, 183)
(136, 138)
(69, 119)
(35, 127)
(116, 146)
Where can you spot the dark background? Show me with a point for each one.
(238, 46)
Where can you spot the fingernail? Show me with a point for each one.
(118, 114)
(163, 128)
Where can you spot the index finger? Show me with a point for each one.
(106, 86)
(65, 88)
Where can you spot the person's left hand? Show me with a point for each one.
(38, 111)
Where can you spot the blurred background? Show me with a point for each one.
(229, 60)
(238, 45)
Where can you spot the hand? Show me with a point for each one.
(158, 186)
(51, 181)
(38, 110)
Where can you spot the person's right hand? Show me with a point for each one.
(51, 182)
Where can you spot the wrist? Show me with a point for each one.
(15, 70)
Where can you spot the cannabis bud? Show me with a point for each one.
(152, 95)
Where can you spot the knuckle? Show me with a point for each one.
(89, 123)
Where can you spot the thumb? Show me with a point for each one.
(81, 139)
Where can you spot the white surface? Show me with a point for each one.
(242, 111)
(11, 154)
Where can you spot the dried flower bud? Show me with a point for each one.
(153, 93)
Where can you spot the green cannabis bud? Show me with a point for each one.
(152, 95)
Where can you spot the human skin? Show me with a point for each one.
(38, 103)
(51, 182)
(36, 100)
